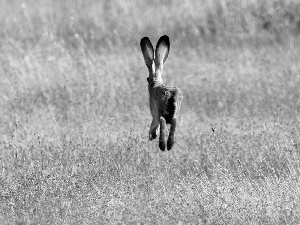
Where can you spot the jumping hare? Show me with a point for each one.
(165, 99)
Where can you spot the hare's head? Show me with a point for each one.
(155, 60)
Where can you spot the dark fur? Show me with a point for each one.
(162, 137)
(171, 107)
(171, 139)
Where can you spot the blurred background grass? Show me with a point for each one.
(78, 59)
(74, 111)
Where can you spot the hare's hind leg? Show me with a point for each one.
(162, 135)
(153, 129)
(171, 138)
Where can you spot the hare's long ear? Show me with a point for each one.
(148, 52)
(162, 51)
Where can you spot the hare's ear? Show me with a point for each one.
(148, 52)
(162, 50)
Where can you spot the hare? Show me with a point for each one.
(165, 99)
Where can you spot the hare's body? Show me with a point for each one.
(165, 99)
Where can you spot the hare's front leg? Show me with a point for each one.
(162, 135)
(171, 138)
(153, 129)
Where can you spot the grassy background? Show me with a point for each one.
(75, 118)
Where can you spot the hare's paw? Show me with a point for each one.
(162, 145)
(152, 135)
(170, 142)
(162, 135)
(171, 138)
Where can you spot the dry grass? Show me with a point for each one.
(75, 118)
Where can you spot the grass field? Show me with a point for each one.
(75, 113)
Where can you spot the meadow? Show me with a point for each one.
(75, 113)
